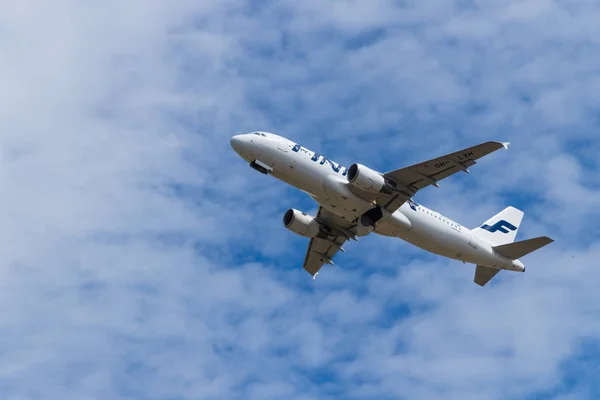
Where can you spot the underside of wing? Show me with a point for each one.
(430, 172)
(321, 250)
(319, 253)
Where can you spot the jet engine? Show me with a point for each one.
(301, 223)
(372, 181)
(365, 178)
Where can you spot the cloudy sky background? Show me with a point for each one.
(141, 258)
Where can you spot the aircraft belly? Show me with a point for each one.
(485, 255)
(393, 224)
(437, 244)
(450, 243)
(435, 238)
(337, 197)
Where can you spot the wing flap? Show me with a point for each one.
(321, 250)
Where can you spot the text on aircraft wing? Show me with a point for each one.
(322, 250)
(430, 172)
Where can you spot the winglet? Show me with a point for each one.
(506, 144)
(315, 275)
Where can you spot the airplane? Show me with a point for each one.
(357, 201)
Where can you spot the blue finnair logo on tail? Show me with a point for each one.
(499, 226)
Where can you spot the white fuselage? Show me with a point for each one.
(325, 181)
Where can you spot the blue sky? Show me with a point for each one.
(141, 258)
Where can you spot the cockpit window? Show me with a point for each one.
(256, 133)
(260, 134)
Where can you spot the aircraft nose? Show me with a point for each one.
(237, 143)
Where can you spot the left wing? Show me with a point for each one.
(321, 250)
(416, 177)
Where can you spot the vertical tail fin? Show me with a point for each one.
(502, 228)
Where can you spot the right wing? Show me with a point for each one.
(410, 180)
(321, 250)
(430, 172)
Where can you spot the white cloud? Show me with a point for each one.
(141, 258)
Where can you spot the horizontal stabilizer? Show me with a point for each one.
(484, 274)
(517, 250)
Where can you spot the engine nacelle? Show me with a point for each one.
(301, 223)
(365, 178)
